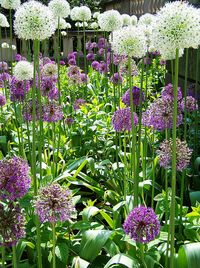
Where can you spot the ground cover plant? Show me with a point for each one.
(99, 149)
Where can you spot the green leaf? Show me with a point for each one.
(107, 218)
(62, 252)
(88, 212)
(127, 261)
(188, 256)
(79, 263)
(92, 242)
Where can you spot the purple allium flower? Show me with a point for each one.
(18, 89)
(101, 43)
(142, 225)
(147, 61)
(28, 111)
(18, 57)
(117, 59)
(84, 78)
(12, 227)
(101, 51)
(89, 45)
(52, 112)
(15, 180)
(54, 204)
(62, 62)
(90, 56)
(3, 66)
(5, 77)
(95, 65)
(162, 62)
(78, 103)
(2, 100)
(72, 61)
(183, 154)
(191, 104)
(122, 120)
(48, 87)
(168, 92)
(46, 60)
(160, 114)
(73, 70)
(116, 78)
(103, 67)
(69, 120)
(72, 55)
(136, 97)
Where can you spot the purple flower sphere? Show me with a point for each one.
(52, 112)
(90, 56)
(3, 66)
(191, 104)
(122, 120)
(14, 180)
(54, 204)
(136, 97)
(142, 225)
(168, 92)
(116, 78)
(12, 227)
(2, 100)
(18, 89)
(95, 65)
(78, 103)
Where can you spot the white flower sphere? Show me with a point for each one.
(96, 15)
(23, 70)
(68, 25)
(35, 21)
(3, 21)
(94, 25)
(171, 54)
(110, 20)
(63, 33)
(74, 13)
(62, 24)
(129, 41)
(134, 20)
(10, 4)
(146, 19)
(60, 8)
(14, 47)
(177, 26)
(5, 45)
(126, 19)
(84, 13)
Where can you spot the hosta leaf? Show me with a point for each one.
(188, 256)
(123, 259)
(92, 242)
(62, 252)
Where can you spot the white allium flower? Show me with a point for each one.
(110, 20)
(129, 41)
(68, 25)
(50, 69)
(60, 8)
(84, 13)
(74, 13)
(146, 19)
(63, 33)
(5, 45)
(177, 26)
(147, 30)
(34, 20)
(96, 15)
(126, 19)
(94, 25)
(62, 24)
(14, 47)
(10, 4)
(23, 70)
(79, 24)
(171, 54)
(3, 21)
(134, 20)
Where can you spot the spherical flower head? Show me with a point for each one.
(18, 89)
(60, 8)
(3, 66)
(74, 14)
(73, 70)
(134, 20)
(103, 67)
(50, 69)
(183, 154)
(84, 13)
(72, 61)
(54, 204)
(28, 111)
(47, 85)
(5, 45)
(12, 227)
(94, 25)
(177, 26)
(191, 104)
(116, 78)
(90, 56)
(110, 20)
(84, 77)
(52, 112)
(23, 70)
(122, 120)
(69, 120)
(3, 21)
(126, 19)
(102, 42)
(136, 97)
(142, 225)
(34, 21)
(146, 19)
(2, 100)
(10, 4)
(128, 41)
(15, 180)
(95, 65)
(96, 15)
(78, 103)
(62, 24)
(168, 92)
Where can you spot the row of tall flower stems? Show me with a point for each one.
(137, 146)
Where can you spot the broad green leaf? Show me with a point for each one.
(92, 242)
(107, 218)
(123, 259)
(62, 252)
(188, 256)
(88, 212)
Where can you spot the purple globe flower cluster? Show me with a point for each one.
(54, 204)
(15, 180)
(18, 89)
(190, 105)
(183, 154)
(116, 78)
(78, 103)
(52, 112)
(72, 58)
(136, 92)
(122, 120)
(48, 87)
(2, 100)
(76, 76)
(3, 66)
(12, 227)
(142, 225)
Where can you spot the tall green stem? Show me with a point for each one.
(54, 244)
(11, 39)
(153, 170)
(3, 256)
(173, 182)
(14, 256)
(196, 112)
